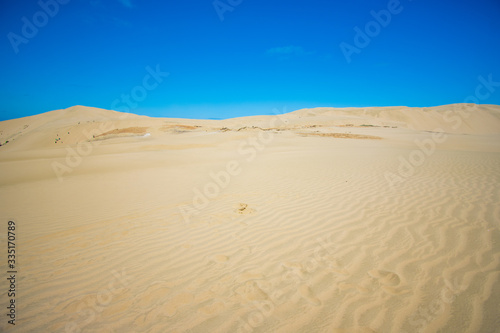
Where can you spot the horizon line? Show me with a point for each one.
(254, 115)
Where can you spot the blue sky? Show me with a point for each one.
(243, 57)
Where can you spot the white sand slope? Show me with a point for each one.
(319, 220)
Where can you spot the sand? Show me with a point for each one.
(318, 220)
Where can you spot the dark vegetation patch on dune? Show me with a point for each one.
(128, 130)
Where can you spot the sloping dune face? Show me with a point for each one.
(319, 220)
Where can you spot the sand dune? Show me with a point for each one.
(319, 220)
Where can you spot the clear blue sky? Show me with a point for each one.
(261, 55)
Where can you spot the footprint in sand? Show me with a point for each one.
(385, 278)
(346, 286)
(389, 281)
(296, 268)
(306, 292)
(214, 308)
(220, 258)
(243, 209)
(353, 330)
(250, 291)
(247, 276)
